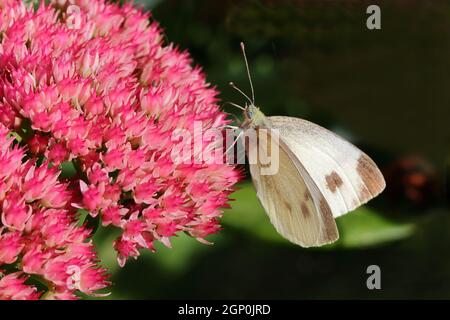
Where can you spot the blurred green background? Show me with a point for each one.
(387, 91)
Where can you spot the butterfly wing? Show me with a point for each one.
(345, 175)
(293, 203)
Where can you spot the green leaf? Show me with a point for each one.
(90, 222)
(362, 228)
(82, 215)
(35, 3)
(15, 135)
(68, 170)
(182, 254)
(248, 215)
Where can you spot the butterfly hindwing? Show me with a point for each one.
(293, 202)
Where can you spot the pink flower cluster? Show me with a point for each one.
(90, 82)
(38, 236)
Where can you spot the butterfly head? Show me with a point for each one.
(254, 117)
(250, 111)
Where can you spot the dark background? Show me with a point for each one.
(385, 90)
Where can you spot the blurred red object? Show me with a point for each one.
(411, 180)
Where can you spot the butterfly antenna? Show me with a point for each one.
(234, 105)
(240, 91)
(248, 72)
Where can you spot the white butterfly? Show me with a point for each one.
(321, 176)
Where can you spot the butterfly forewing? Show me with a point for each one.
(345, 176)
(293, 202)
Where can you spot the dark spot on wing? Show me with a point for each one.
(305, 210)
(330, 232)
(288, 206)
(334, 181)
(372, 178)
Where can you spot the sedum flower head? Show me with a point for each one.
(92, 83)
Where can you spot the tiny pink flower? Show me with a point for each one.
(10, 247)
(97, 174)
(112, 194)
(145, 192)
(60, 295)
(91, 280)
(125, 249)
(114, 215)
(13, 287)
(34, 260)
(94, 106)
(38, 144)
(166, 229)
(78, 146)
(15, 212)
(92, 196)
(114, 159)
(58, 153)
(134, 228)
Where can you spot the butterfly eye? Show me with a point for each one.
(249, 114)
